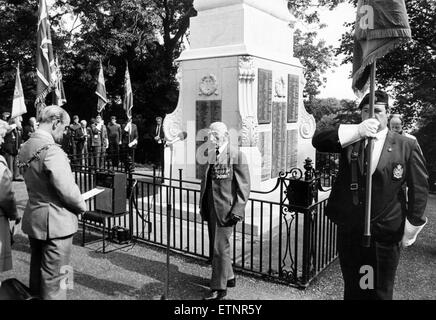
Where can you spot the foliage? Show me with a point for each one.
(329, 112)
(315, 56)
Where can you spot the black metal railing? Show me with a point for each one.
(99, 161)
(277, 240)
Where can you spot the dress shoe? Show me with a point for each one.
(231, 283)
(216, 295)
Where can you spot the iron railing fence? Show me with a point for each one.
(276, 240)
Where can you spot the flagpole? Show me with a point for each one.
(367, 227)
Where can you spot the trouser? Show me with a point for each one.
(96, 155)
(128, 157)
(84, 155)
(49, 262)
(161, 157)
(114, 150)
(222, 269)
(11, 160)
(368, 273)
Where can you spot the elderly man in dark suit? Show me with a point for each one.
(397, 162)
(224, 194)
(50, 217)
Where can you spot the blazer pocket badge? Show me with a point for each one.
(398, 171)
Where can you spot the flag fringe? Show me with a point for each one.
(387, 33)
(370, 59)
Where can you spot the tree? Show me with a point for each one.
(328, 112)
(17, 18)
(315, 56)
(145, 33)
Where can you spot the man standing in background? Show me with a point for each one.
(83, 135)
(11, 146)
(114, 136)
(159, 142)
(74, 139)
(130, 141)
(29, 129)
(96, 142)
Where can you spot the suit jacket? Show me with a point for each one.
(8, 207)
(96, 140)
(230, 194)
(114, 133)
(74, 127)
(401, 163)
(104, 137)
(12, 141)
(81, 137)
(127, 138)
(54, 198)
(160, 134)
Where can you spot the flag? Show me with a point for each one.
(45, 64)
(18, 105)
(61, 99)
(380, 27)
(101, 91)
(128, 94)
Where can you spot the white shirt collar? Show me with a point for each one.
(223, 147)
(381, 134)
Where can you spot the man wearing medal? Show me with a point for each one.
(224, 194)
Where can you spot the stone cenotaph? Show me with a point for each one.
(239, 69)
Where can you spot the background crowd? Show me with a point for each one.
(91, 142)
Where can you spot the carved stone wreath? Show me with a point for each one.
(208, 85)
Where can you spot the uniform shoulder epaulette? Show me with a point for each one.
(35, 156)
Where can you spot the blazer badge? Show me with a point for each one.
(398, 171)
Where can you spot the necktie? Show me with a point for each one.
(217, 153)
(158, 130)
(366, 152)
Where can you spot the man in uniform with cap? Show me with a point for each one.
(369, 273)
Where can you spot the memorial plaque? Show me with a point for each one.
(292, 150)
(206, 112)
(278, 138)
(293, 94)
(264, 101)
(264, 145)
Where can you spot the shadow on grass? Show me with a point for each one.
(181, 284)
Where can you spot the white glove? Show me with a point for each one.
(410, 233)
(131, 144)
(368, 128)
